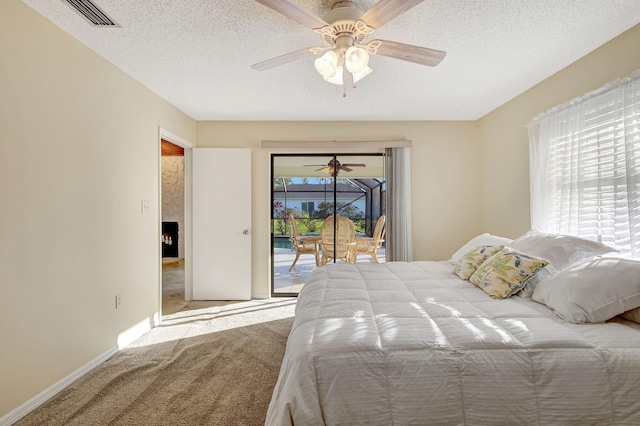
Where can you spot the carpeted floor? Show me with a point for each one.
(204, 365)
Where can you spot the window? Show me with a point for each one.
(306, 190)
(308, 207)
(585, 167)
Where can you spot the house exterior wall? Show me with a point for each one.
(297, 203)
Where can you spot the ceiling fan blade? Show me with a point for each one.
(346, 169)
(385, 10)
(294, 12)
(355, 165)
(409, 52)
(282, 59)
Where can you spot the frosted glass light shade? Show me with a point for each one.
(327, 64)
(337, 77)
(362, 74)
(356, 59)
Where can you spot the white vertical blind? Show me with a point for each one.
(399, 246)
(585, 167)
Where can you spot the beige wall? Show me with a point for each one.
(79, 151)
(445, 175)
(505, 138)
(467, 177)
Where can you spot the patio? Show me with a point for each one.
(292, 282)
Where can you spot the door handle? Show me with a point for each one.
(246, 232)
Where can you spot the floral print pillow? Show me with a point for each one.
(506, 272)
(468, 264)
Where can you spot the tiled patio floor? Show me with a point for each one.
(292, 282)
(285, 281)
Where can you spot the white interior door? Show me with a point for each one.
(221, 224)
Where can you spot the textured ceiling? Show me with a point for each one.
(197, 54)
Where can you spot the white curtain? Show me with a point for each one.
(399, 244)
(585, 167)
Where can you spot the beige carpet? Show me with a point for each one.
(204, 365)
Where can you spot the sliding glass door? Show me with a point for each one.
(309, 189)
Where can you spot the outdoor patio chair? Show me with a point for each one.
(371, 245)
(302, 245)
(342, 246)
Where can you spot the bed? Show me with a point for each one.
(412, 343)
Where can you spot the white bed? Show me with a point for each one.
(412, 344)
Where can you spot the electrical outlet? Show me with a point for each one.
(145, 206)
(118, 301)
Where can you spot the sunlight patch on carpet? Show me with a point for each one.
(200, 317)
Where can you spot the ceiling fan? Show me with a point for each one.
(344, 31)
(334, 166)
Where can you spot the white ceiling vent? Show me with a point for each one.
(91, 13)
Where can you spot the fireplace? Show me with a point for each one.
(169, 239)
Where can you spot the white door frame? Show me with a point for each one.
(188, 273)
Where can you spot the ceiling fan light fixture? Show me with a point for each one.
(344, 30)
(337, 77)
(357, 76)
(356, 59)
(327, 64)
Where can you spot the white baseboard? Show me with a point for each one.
(260, 296)
(44, 396)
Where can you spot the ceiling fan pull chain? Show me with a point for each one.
(344, 77)
(344, 73)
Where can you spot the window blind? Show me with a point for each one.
(585, 168)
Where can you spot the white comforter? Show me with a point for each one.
(411, 344)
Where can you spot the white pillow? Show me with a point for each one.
(592, 292)
(531, 284)
(562, 251)
(480, 240)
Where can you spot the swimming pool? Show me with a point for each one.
(281, 242)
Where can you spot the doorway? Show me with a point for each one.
(306, 190)
(173, 227)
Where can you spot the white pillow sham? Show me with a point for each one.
(480, 240)
(562, 251)
(592, 292)
(542, 275)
